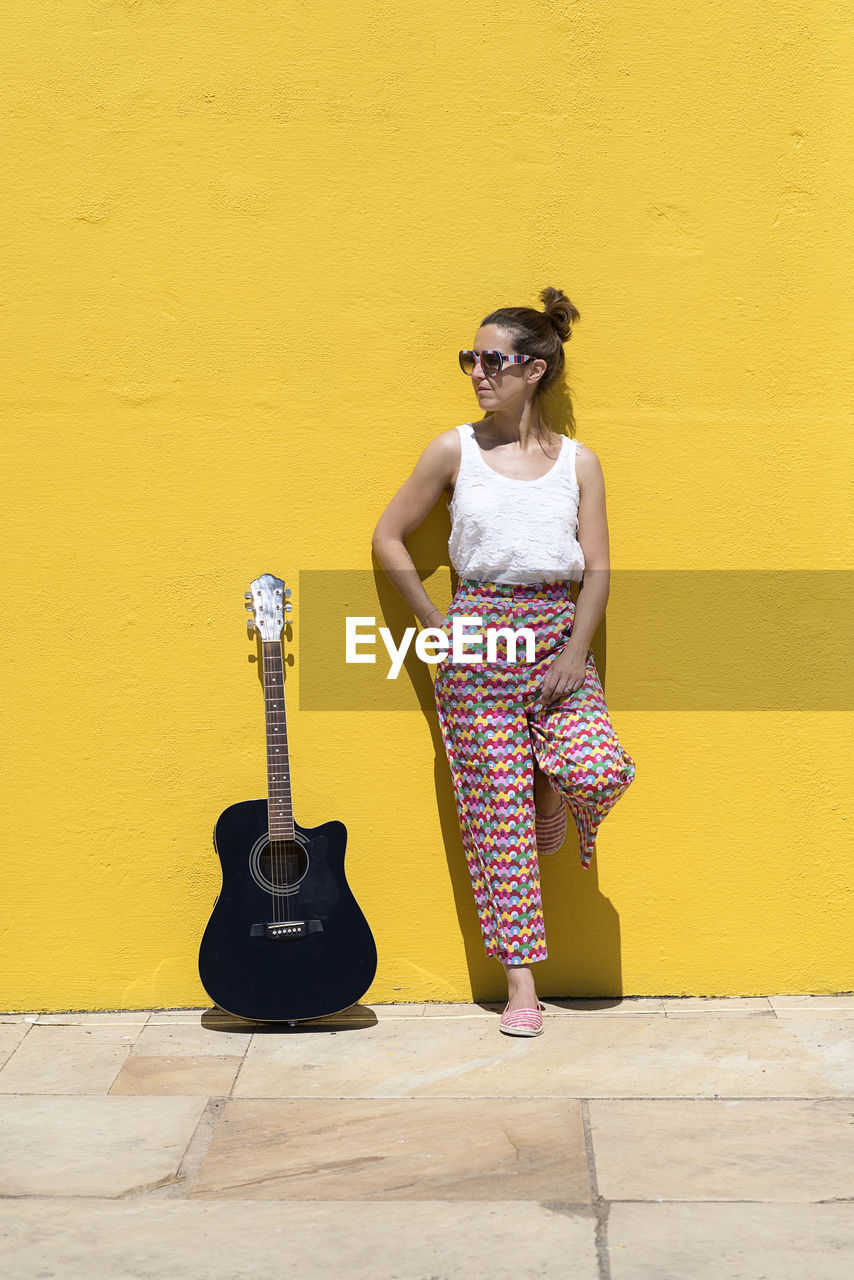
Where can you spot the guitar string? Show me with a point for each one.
(279, 850)
(275, 851)
(267, 757)
(291, 844)
(295, 847)
(284, 901)
(278, 665)
(282, 854)
(270, 800)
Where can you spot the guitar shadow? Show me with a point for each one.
(356, 1018)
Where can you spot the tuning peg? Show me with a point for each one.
(247, 595)
(248, 606)
(250, 626)
(288, 608)
(287, 591)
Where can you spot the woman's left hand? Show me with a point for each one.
(565, 675)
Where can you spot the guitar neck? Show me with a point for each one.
(279, 802)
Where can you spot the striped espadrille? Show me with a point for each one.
(522, 1022)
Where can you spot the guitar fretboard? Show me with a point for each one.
(279, 802)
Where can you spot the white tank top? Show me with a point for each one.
(509, 530)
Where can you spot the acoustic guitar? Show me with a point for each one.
(286, 940)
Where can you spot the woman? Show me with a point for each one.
(525, 739)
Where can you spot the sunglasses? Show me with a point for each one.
(491, 362)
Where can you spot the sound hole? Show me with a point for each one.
(282, 863)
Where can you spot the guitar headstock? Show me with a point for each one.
(268, 604)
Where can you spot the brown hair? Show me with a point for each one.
(542, 334)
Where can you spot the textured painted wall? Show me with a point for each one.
(243, 244)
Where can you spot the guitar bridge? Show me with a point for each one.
(285, 928)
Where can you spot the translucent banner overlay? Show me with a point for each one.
(671, 640)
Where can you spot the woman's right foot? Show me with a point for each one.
(522, 1022)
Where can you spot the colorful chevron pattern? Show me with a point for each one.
(493, 726)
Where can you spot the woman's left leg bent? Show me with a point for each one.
(576, 746)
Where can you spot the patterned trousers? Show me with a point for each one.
(494, 726)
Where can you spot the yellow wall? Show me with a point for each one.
(243, 244)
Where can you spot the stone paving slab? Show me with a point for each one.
(63, 1060)
(204, 1076)
(642, 1055)
(411, 1149)
(786, 1151)
(399, 1010)
(610, 1007)
(462, 1010)
(88, 1070)
(716, 1004)
(828, 1039)
(92, 1146)
(208, 1017)
(787, 1004)
(11, 1035)
(54, 1037)
(188, 1240)
(729, 1241)
(179, 1040)
(92, 1019)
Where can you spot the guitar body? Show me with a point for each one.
(286, 939)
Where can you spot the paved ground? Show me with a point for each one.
(638, 1139)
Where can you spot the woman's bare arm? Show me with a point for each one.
(411, 505)
(593, 539)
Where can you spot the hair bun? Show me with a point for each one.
(560, 311)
